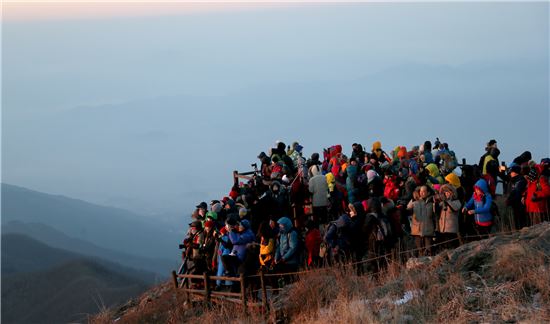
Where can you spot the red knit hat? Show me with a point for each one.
(233, 193)
(209, 224)
(402, 153)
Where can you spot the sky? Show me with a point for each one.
(151, 106)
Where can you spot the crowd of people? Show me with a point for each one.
(295, 212)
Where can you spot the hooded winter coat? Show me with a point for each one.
(240, 240)
(538, 191)
(313, 242)
(450, 210)
(319, 188)
(331, 181)
(481, 205)
(378, 154)
(422, 223)
(351, 181)
(516, 189)
(339, 233)
(435, 177)
(288, 242)
(391, 189)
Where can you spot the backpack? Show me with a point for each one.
(340, 232)
(449, 161)
(384, 230)
(300, 254)
(494, 210)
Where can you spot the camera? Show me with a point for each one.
(182, 246)
(254, 165)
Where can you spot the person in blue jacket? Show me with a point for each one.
(286, 255)
(240, 235)
(480, 207)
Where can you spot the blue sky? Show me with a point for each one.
(154, 112)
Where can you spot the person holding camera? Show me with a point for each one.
(192, 255)
(449, 206)
(239, 235)
(223, 248)
(422, 223)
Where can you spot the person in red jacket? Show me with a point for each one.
(391, 187)
(313, 244)
(536, 198)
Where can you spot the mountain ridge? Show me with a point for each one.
(49, 285)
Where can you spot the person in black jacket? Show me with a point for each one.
(516, 187)
(491, 144)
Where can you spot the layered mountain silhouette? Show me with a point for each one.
(41, 284)
(73, 224)
(60, 240)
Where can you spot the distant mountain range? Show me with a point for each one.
(166, 154)
(88, 228)
(41, 284)
(58, 239)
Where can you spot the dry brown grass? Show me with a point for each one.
(502, 279)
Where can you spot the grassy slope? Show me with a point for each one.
(503, 278)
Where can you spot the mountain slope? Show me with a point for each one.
(23, 254)
(43, 284)
(66, 293)
(106, 227)
(502, 279)
(57, 239)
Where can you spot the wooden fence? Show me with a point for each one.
(242, 297)
(209, 295)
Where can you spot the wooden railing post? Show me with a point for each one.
(207, 287)
(264, 290)
(175, 277)
(243, 291)
(188, 295)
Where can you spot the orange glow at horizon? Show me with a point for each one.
(42, 10)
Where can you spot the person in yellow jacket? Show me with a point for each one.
(454, 180)
(267, 246)
(435, 177)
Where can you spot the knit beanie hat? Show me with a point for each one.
(212, 215)
(371, 174)
(453, 179)
(533, 175)
(402, 153)
(209, 224)
(217, 207)
(196, 224)
(515, 168)
(315, 158)
(231, 221)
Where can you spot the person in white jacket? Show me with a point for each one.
(319, 189)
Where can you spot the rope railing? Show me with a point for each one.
(241, 297)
